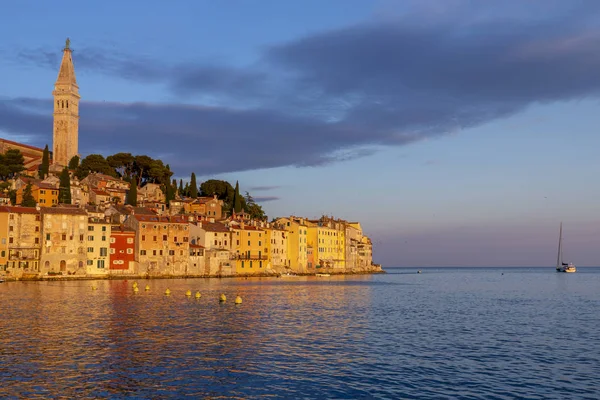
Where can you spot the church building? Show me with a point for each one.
(66, 112)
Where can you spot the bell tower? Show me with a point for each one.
(66, 112)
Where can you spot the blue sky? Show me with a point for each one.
(457, 132)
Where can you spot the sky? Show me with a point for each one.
(459, 133)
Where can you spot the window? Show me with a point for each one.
(103, 251)
(175, 239)
(90, 262)
(142, 252)
(155, 238)
(160, 252)
(185, 239)
(112, 251)
(104, 238)
(171, 252)
(226, 243)
(238, 242)
(260, 242)
(81, 238)
(10, 228)
(47, 236)
(112, 239)
(215, 242)
(164, 237)
(153, 252)
(90, 250)
(143, 238)
(130, 240)
(248, 243)
(3, 254)
(100, 264)
(64, 237)
(90, 228)
(130, 251)
(10, 240)
(104, 229)
(3, 240)
(37, 240)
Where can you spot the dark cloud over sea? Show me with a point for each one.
(338, 94)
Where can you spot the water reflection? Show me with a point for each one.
(391, 336)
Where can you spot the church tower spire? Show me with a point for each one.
(66, 111)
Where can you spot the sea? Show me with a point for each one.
(443, 333)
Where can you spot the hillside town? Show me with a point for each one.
(65, 217)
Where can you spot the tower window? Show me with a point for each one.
(67, 103)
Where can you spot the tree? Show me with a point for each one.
(132, 194)
(181, 187)
(45, 167)
(28, 200)
(94, 163)
(12, 195)
(169, 193)
(74, 162)
(123, 163)
(193, 187)
(254, 210)
(64, 192)
(11, 164)
(237, 201)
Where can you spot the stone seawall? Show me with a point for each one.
(372, 269)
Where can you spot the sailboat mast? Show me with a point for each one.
(559, 256)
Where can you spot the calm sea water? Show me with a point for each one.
(459, 333)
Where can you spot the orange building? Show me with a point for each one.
(45, 195)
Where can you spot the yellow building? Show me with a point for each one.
(250, 249)
(327, 238)
(98, 246)
(297, 243)
(19, 240)
(45, 195)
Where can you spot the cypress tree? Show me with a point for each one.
(181, 187)
(74, 162)
(132, 194)
(193, 187)
(237, 200)
(64, 194)
(45, 167)
(28, 200)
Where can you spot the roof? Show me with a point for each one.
(196, 246)
(19, 210)
(117, 229)
(63, 210)
(127, 209)
(21, 145)
(214, 227)
(100, 192)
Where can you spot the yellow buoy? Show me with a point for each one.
(167, 292)
(134, 284)
(222, 298)
(147, 287)
(188, 293)
(135, 289)
(238, 300)
(198, 295)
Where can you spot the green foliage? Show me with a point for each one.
(64, 190)
(123, 163)
(11, 164)
(94, 163)
(131, 198)
(45, 166)
(193, 187)
(28, 200)
(181, 187)
(12, 195)
(237, 200)
(255, 210)
(74, 162)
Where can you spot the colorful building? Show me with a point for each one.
(122, 249)
(98, 246)
(297, 242)
(64, 240)
(250, 248)
(19, 240)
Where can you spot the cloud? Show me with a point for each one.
(263, 188)
(264, 199)
(344, 93)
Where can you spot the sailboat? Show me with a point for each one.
(560, 265)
